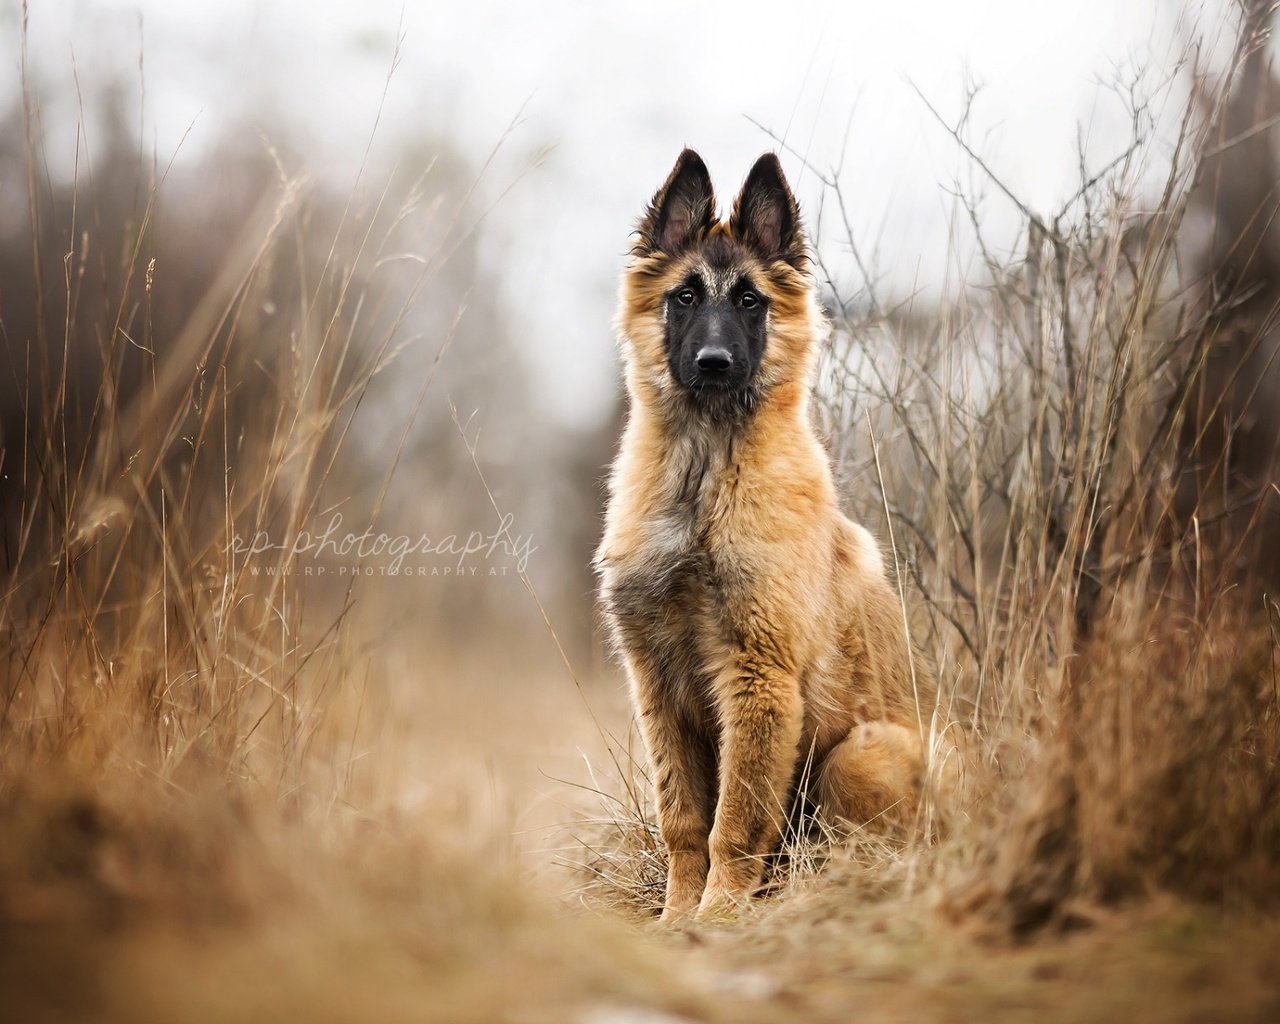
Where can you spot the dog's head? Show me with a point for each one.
(719, 314)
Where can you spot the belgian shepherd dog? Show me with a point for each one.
(762, 638)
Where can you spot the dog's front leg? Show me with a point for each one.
(682, 760)
(761, 716)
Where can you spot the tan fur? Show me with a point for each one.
(756, 622)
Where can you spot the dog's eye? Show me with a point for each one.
(749, 300)
(686, 297)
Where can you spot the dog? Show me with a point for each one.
(763, 640)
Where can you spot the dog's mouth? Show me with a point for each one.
(714, 384)
(723, 396)
(716, 391)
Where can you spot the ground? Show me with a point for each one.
(196, 908)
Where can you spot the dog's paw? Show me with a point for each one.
(718, 905)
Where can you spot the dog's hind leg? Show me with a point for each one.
(874, 773)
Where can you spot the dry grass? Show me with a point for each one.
(203, 764)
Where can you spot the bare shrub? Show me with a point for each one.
(1096, 564)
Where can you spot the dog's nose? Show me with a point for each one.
(713, 359)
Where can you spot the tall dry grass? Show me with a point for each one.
(137, 628)
(186, 714)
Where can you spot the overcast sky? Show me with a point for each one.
(617, 89)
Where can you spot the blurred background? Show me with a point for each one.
(544, 131)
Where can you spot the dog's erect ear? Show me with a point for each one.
(681, 210)
(766, 216)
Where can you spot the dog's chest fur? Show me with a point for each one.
(664, 593)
